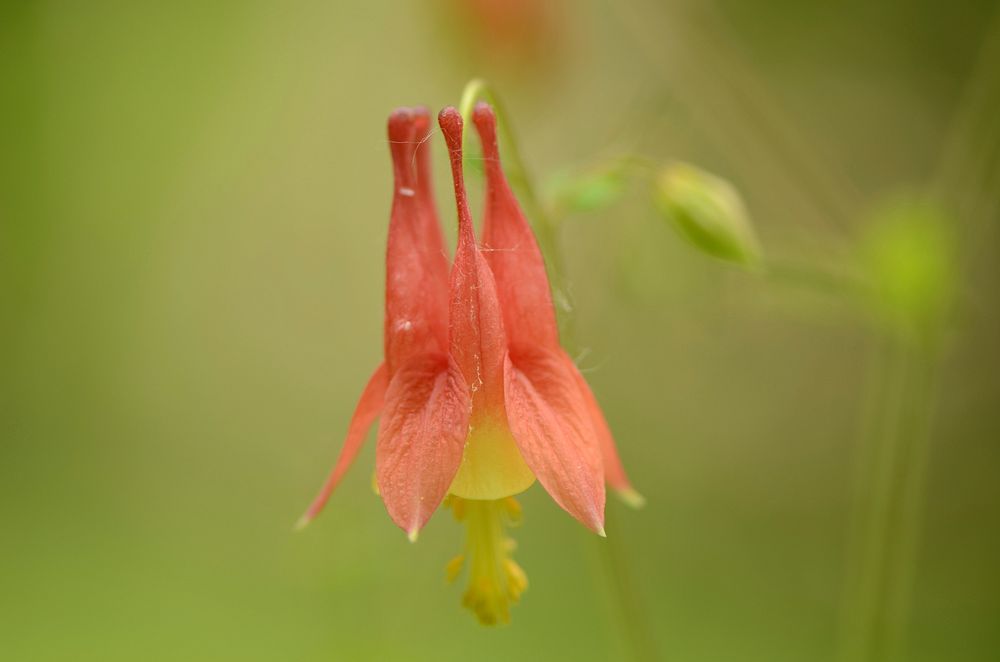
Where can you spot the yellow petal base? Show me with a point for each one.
(496, 581)
(492, 467)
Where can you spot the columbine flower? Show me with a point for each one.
(476, 397)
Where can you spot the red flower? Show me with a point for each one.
(476, 396)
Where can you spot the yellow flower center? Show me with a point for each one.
(495, 580)
(492, 467)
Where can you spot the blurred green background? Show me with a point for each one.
(193, 206)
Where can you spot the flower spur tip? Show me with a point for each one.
(486, 125)
(401, 117)
(450, 121)
(401, 126)
(421, 115)
(483, 116)
(631, 498)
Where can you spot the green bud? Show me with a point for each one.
(908, 250)
(708, 211)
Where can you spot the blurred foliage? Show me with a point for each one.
(909, 255)
(588, 190)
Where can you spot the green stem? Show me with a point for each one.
(878, 456)
(888, 501)
(820, 279)
(909, 497)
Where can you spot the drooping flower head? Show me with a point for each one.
(476, 397)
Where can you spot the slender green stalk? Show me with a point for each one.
(909, 506)
(812, 277)
(888, 501)
(630, 613)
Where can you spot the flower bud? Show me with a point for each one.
(708, 211)
(908, 251)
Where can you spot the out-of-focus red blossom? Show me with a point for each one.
(476, 396)
(526, 35)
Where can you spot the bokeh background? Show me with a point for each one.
(193, 205)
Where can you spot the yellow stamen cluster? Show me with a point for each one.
(496, 581)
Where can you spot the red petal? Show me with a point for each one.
(551, 423)
(367, 409)
(512, 252)
(420, 438)
(614, 472)
(416, 285)
(476, 336)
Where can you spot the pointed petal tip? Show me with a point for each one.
(631, 498)
(593, 520)
(412, 534)
(365, 412)
(302, 523)
(597, 523)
